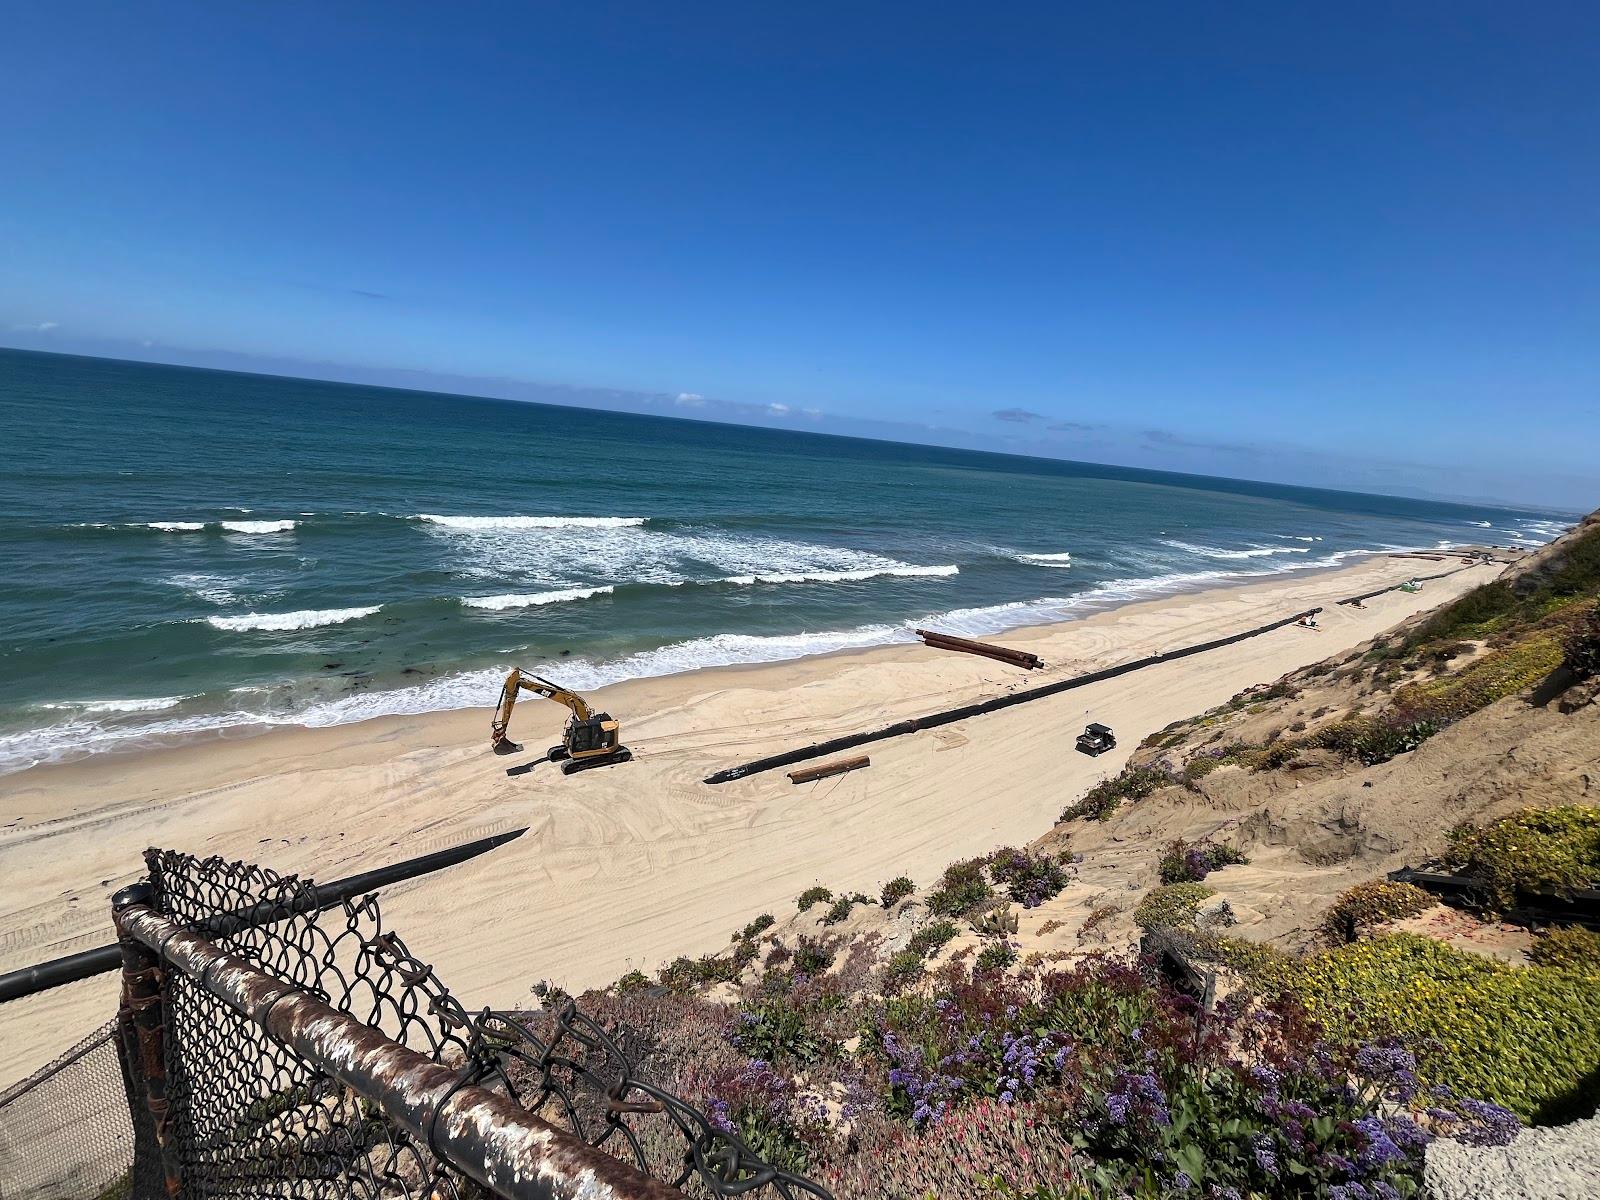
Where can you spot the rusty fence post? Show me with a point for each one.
(143, 1024)
(482, 1134)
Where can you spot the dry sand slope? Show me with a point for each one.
(631, 865)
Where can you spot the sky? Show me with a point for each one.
(1350, 246)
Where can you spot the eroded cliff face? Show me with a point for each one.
(1361, 764)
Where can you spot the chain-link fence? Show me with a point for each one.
(287, 1051)
(66, 1130)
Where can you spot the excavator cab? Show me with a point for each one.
(596, 735)
(589, 738)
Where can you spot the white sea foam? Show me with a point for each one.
(259, 526)
(1218, 552)
(1482, 524)
(175, 526)
(309, 618)
(1060, 561)
(480, 523)
(900, 569)
(217, 589)
(533, 599)
(153, 704)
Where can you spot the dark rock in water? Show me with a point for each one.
(412, 671)
(332, 666)
(564, 653)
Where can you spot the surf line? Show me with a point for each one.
(951, 715)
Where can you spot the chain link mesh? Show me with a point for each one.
(250, 1117)
(66, 1131)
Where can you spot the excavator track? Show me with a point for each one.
(573, 765)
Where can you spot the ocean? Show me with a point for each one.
(185, 551)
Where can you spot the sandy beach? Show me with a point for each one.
(631, 865)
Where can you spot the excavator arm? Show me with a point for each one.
(516, 683)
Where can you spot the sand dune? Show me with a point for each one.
(628, 866)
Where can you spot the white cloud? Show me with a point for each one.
(37, 327)
(814, 413)
(690, 400)
(778, 410)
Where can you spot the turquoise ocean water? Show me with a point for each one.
(185, 551)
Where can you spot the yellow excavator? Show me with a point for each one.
(589, 738)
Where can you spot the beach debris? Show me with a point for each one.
(945, 641)
(838, 766)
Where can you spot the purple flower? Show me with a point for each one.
(1266, 1155)
(1379, 1149)
(1486, 1124)
(1269, 1077)
(1182, 1182)
(1138, 1094)
(1391, 1064)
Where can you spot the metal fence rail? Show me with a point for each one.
(285, 1051)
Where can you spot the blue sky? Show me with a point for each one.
(1349, 246)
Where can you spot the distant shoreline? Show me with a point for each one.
(247, 727)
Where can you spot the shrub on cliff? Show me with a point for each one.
(1029, 878)
(1527, 1038)
(896, 890)
(812, 895)
(1174, 905)
(962, 889)
(1581, 649)
(840, 909)
(1185, 863)
(1105, 797)
(755, 928)
(1554, 850)
(1368, 904)
(1574, 947)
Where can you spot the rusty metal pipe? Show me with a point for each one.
(477, 1132)
(143, 1026)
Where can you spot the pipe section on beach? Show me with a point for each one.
(951, 715)
(1356, 600)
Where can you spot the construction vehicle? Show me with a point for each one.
(589, 738)
(1096, 739)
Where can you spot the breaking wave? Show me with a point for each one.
(1218, 552)
(1060, 561)
(533, 599)
(153, 704)
(258, 526)
(191, 526)
(906, 570)
(480, 523)
(309, 618)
